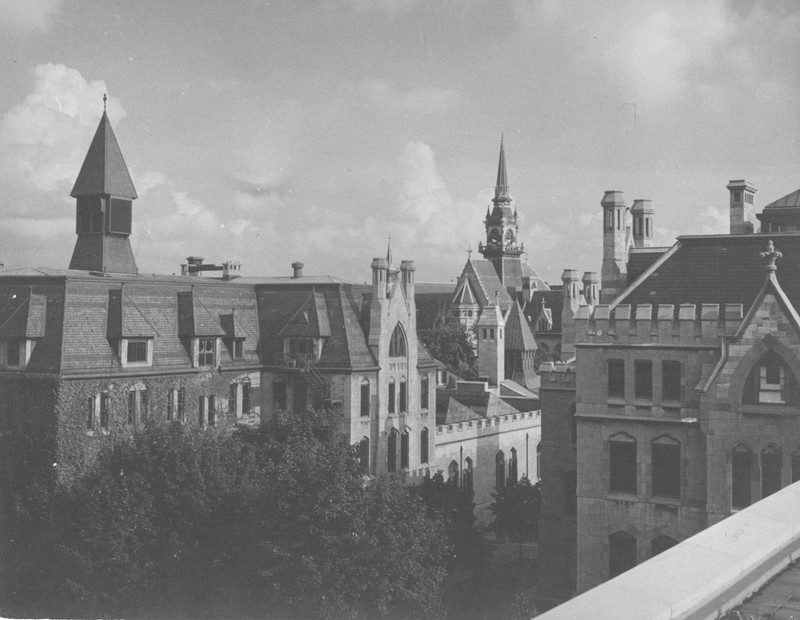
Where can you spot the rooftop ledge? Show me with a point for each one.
(705, 575)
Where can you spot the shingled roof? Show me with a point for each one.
(518, 333)
(104, 170)
(22, 314)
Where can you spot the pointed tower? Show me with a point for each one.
(104, 193)
(501, 222)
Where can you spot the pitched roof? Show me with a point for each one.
(518, 333)
(310, 320)
(717, 269)
(553, 302)
(104, 170)
(788, 201)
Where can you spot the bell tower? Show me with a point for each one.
(104, 194)
(501, 219)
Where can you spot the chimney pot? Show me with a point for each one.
(297, 269)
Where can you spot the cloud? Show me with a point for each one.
(714, 221)
(390, 99)
(24, 16)
(45, 137)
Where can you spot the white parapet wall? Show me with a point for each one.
(705, 575)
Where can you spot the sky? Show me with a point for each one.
(313, 130)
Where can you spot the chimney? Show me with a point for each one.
(407, 269)
(741, 209)
(231, 270)
(379, 273)
(297, 270)
(591, 288)
(642, 212)
(192, 261)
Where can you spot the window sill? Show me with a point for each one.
(619, 496)
(769, 410)
(666, 501)
(643, 402)
(615, 400)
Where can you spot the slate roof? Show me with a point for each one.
(639, 259)
(554, 301)
(788, 201)
(453, 408)
(718, 269)
(518, 333)
(483, 278)
(22, 313)
(310, 320)
(104, 170)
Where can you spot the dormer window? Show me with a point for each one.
(770, 383)
(397, 345)
(136, 352)
(205, 352)
(237, 351)
(15, 353)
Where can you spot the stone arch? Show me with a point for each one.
(398, 343)
(751, 360)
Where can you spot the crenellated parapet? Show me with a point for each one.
(665, 323)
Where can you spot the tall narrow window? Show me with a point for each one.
(181, 404)
(391, 451)
(666, 467)
(741, 464)
(132, 407)
(621, 553)
(500, 470)
(467, 474)
(279, 394)
(403, 395)
(391, 396)
(622, 464)
(643, 370)
(404, 450)
(90, 413)
(452, 473)
(671, 375)
(796, 465)
(144, 406)
(363, 456)
(512, 467)
(770, 471)
(616, 378)
(365, 397)
(423, 446)
(397, 345)
(232, 404)
(105, 409)
(246, 397)
(539, 460)
(171, 398)
(660, 544)
(202, 411)
(423, 391)
(212, 410)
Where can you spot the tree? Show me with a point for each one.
(454, 506)
(516, 510)
(451, 345)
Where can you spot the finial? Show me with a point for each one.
(771, 255)
(389, 253)
(469, 252)
(105, 99)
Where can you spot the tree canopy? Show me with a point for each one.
(274, 522)
(516, 509)
(451, 344)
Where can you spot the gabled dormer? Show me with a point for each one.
(22, 325)
(304, 335)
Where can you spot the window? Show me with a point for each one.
(621, 553)
(643, 371)
(423, 391)
(245, 387)
(500, 470)
(363, 456)
(571, 493)
(741, 463)
(770, 471)
(212, 411)
(397, 345)
(137, 351)
(616, 378)
(770, 383)
(467, 474)
(671, 375)
(423, 446)
(403, 396)
(206, 350)
(90, 412)
(176, 405)
(301, 348)
(239, 398)
(279, 394)
(13, 357)
(365, 397)
(512, 467)
(661, 544)
(238, 348)
(452, 473)
(404, 450)
(208, 411)
(181, 410)
(796, 465)
(391, 396)
(391, 451)
(622, 464)
(132, 407)
(138, 405)
(666, 467)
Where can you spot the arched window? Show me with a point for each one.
(666, 456)
(391, 402)
(391, 451)
(404, 450)
(770, 383)
(467, 473)
(365, 397)
(452, 473)
(500, 470)
(512, 467)
(403, 395)
(363, 456)
(397, 345)
(741, 467)
(621, 553)
(661, 544)
(770, 471)
(622, 464)
(423, 446)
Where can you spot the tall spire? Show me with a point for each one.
(501, 187)
(389, 254)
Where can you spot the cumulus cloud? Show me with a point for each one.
(28, 15)
(714, 221)
(389, 98)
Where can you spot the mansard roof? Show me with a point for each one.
(716, 269)
(104, 170)
(310, 320)
(22, 313)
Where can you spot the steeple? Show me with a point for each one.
(501, 187)
(104, 194)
